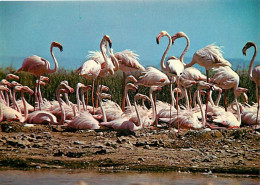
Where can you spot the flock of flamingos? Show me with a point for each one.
(130, 116)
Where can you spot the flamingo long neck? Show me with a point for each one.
(186, 49)
(252, 61)
(100, 104)
(210, 98)
(200, 105)
(194, 99)
(1, 112)
(238, 110)
(172, 96)
(3, 98)
(15, 103)
(83, 101)
(25, 106)
(61, 107)
(7, 98)
(104, 54)
(185, 94)
(128, 103)
(55, 62)
(140, 122)
(77, 97)
(218, 99)
(153, 106)
(165, 52)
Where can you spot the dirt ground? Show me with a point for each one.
(234, 151)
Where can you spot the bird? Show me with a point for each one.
(128, 62)
(38, 66)
(225, 78)
(125, 123)
(9, 77)
(254, 74)
(227, 118)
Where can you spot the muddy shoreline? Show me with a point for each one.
(234, 151)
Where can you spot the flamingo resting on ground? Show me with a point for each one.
(38, 66)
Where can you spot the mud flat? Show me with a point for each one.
(234, 151)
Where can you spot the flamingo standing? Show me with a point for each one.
(128, 62)
(8, 78)
(38, 66)
(173, 67)
(255, 73)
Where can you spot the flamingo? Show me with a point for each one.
(255, 73)
(10, 77)
(128, 62)
(38, 66)
(225, 78)
(12, 114)
(5, 99)
(125, 123)
(85, 120)
(173, 67)
(125, 95)
(227, 118)
(2, 98)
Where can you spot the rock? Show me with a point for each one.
(147, 147)
(32, 135)
(102, 151)
(39, 137)
(79, 142)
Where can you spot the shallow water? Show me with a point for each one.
(71, 177)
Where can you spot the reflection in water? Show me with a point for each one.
(81, 177)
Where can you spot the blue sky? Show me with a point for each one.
(28, 28)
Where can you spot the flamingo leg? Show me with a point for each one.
(226, 91)
(156, 119)
(258, 102)
(123, 87)
(208, 91)
(38, 94)
(170, 107)
(92, 96)
(177, 104)
(190, 97)
(35, 92)
(98, 80)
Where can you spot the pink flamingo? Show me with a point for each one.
(125, 123)
(128, 62)
(255, 73)
(38, 66)
(10, 77)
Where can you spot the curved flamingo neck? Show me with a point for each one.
(200, 105)
(104, 54)
(61, 107)
(77, 97)
(55, 62)
(128, 103)
(252, 61)
(25, 106)
(153, 106)
(186, 49)
(100, 104)
(165, 52)
(1, 112)
(140, 122)
(15, 102)
(83, 101)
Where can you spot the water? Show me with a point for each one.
(72, 177)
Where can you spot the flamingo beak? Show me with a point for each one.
(244, 50)
(158, 38)
(174, 37)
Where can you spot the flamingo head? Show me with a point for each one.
(14, 83)
(56, 44)
(28, 89)
(203, 85)
(104, 88)
(131, 78)
(11, 76)
(18, 88)
(107, 38)
(106, 96)
(155, 88)
(5, 82)
(141, 96)
(42, 83)
(45, 79)
(178, 35)
(160, 35)
(248, 45)
(3, 88)
(81, 85)
(132, 87)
